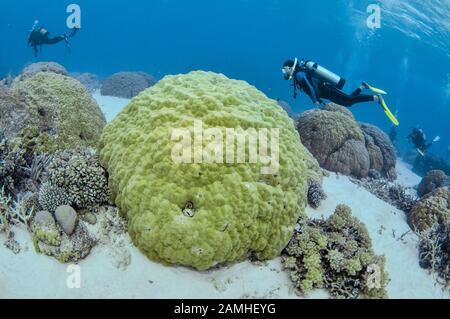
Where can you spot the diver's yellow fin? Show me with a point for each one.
(420, 152)
(389, 113)
(374, 89)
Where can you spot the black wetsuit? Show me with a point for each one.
(417, 138)
(318, 90)
(38, 38)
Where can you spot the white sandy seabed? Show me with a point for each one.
(29, 275)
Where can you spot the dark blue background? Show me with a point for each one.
(249, 40)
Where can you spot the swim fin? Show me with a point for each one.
(374, 89)
(388, 112)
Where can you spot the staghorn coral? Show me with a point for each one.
(51, 197)
(382, 153)
(53, 112)
(336, 141)
(316, 194)
(127, 84)
(22, 210)
(235, 208)
(395, 194)
(434, 179)
(434, 251)
(12, 167)
(335, 254)
(432, 208)
(79, 174)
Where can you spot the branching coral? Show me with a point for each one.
(79, 174)
(51, 197)
(335, 254)
(22, 211)
(434, 251)
(12, 166)
(395, 194)
(5, 201)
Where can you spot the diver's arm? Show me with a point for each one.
(301, 78)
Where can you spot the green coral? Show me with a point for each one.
(335, 254)
(59, 113)
(203, 214)
(79, 174)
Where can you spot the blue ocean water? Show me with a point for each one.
(408, 56)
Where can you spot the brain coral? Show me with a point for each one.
(432, 208)
(382, 153)
(433, 180)
(127, 84)
(335, 140)
(203, 214)
(53, 112)
(35, 68)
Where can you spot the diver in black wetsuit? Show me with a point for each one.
(319, 83)
(40, 36)
(418, 138)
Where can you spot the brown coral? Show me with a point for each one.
(382, 153)
(336, 141)
(432, 208)
(433, 180)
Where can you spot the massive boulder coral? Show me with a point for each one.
(336, 141)
(35, 68)
(127, 84)
(382, 153)
(431, 209)
(335, 254)
(48, 112)
(341, 145)
(90, 81)
(434, 179)
(203, 214)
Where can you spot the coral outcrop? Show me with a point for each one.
(340, 145)
(127, 84)
(336, 141)
(335, 254)
(431, 209)
(90, 81)
(205, 213)
(316, 194)
(434, 250)
(49, 112)
(79, 174)
(434, 179)
(382, 153)
(35, 68)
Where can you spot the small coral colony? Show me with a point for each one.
(62, 165)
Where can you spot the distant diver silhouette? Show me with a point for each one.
(40, 36)
(418, 138)
(319, 83)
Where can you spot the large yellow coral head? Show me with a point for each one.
(196, 212)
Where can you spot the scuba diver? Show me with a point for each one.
(418, 138)
(39, 36)
(319, 83)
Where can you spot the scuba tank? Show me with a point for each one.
(324, 75)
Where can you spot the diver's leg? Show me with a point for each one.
(359, 90)
(54, 40)
(337, 96)
(36, 51)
